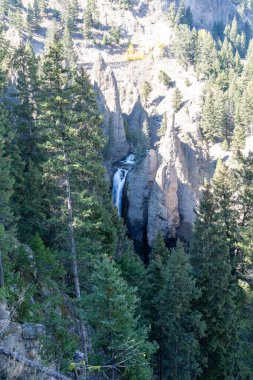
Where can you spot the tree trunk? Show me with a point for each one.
(71, 231)
(73, 254)
(1, 272)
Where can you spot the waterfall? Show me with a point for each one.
(119, 180)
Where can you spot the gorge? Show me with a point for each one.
(126, 189)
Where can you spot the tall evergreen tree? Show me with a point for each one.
(181, 326)
(218, 301)
(118, 342)
(177, 98)
(206, 61)
(69, 52)
(80, 206)
(225, 201)
(7, 181)
(33, 16)
(157, 262)
(30, 195)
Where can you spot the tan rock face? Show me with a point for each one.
(109, 106)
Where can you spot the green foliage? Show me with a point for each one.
(146, 91)
(164, 78)
(110, 311)
(180, 325)
(91, 16)
(123, 4)
(4, 7)
(53, 197)
(177, 98)
(157, 261)
(133, 272)
(34, 16)
(213, 115)
(29, 187)
(163, 128)
(7, 181)
(187, 82)
(184, 45)
(179, 14)
(69, 52)
(218, 302)
(113, 37)
(70, 14)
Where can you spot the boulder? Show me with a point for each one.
(32, 331)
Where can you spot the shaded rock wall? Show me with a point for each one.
(163, 190)
(109, 106)
(207, 12)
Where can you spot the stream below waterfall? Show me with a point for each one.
(119, 179)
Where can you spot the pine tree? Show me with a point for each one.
(226, 56)
(69, 52)
(157, 262)
(238, 63)
(4, 7)
(180, 12)
(164, 78)
(206, 61)
(214, 116)
(133, 272)
(80, 206)
(181, 326)
(110, 311)
(70, 15)
(172, 13)
(225, 201)
(7, 181)
(30, 195)
(37, 13)
(184, 45)
(238, 140)
(177, 98)
(11, 165)
(163, 128)
(33, 17)
(248, 71)
(91, 16)
(233, 31)
(146, 91)
(218, 301)
(244, 180)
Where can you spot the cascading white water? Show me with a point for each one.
(119, 180)
(118, 185)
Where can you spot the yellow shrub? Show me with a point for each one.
(134, 57)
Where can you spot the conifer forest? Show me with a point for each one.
(126, 189)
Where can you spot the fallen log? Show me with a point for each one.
(32, 364)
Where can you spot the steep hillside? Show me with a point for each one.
(126, 192)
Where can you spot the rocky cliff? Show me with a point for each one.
(163, 190)
(164, 187)
(23, 339)
(110, 107)
(207, 12)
